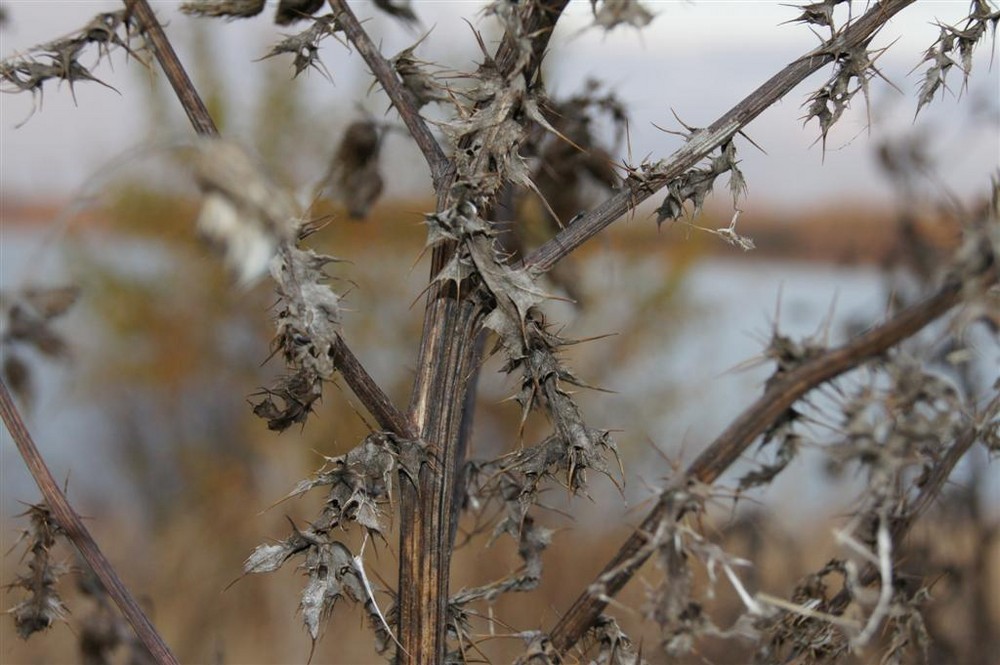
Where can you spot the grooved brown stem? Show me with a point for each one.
(360, 381)
(728, 446)
(445, 362)
(402, 98)
(77, 533)
(636, 189)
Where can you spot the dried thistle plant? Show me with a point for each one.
(904, 429)
(59, 59)
(43, 606)
(982, 19)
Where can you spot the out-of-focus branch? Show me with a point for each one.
(639, 187)
(77, 533)
(402, 98)
(780, 395)
(354, 373)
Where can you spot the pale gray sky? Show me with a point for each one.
(697, 58)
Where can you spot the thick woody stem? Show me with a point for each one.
(447, 360)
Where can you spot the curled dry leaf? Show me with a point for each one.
(354, 174)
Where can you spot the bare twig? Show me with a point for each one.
(638, 188)
(401, 97)
(727, 448)
(77, 533)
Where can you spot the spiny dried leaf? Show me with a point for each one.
(693, 187)
(359, 482)
(354, 175)
(233, 9)
(423, 86)
(332, 576)
(308, 324)
(60, 59)
(982, 19)
(305, 45)
(819, 13)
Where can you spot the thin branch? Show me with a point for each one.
(639, 188)
(400, 96)
(354, 373)
(195, 108)
(77, 533)
(371, 395)
(727, 448)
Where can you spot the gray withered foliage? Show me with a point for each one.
(613, 13)
(694, 185)
(819, 13)
(26, 322)
(232, 9)
(952, 41)
(354, 176)
(43, 605)
(853, 70)
(360, 484)
(424, 86)
(308, 323)
(60, 59)
(258, 226)
(305, 45)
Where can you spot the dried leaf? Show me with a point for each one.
(232, 9)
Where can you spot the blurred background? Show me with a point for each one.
(142, 406)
